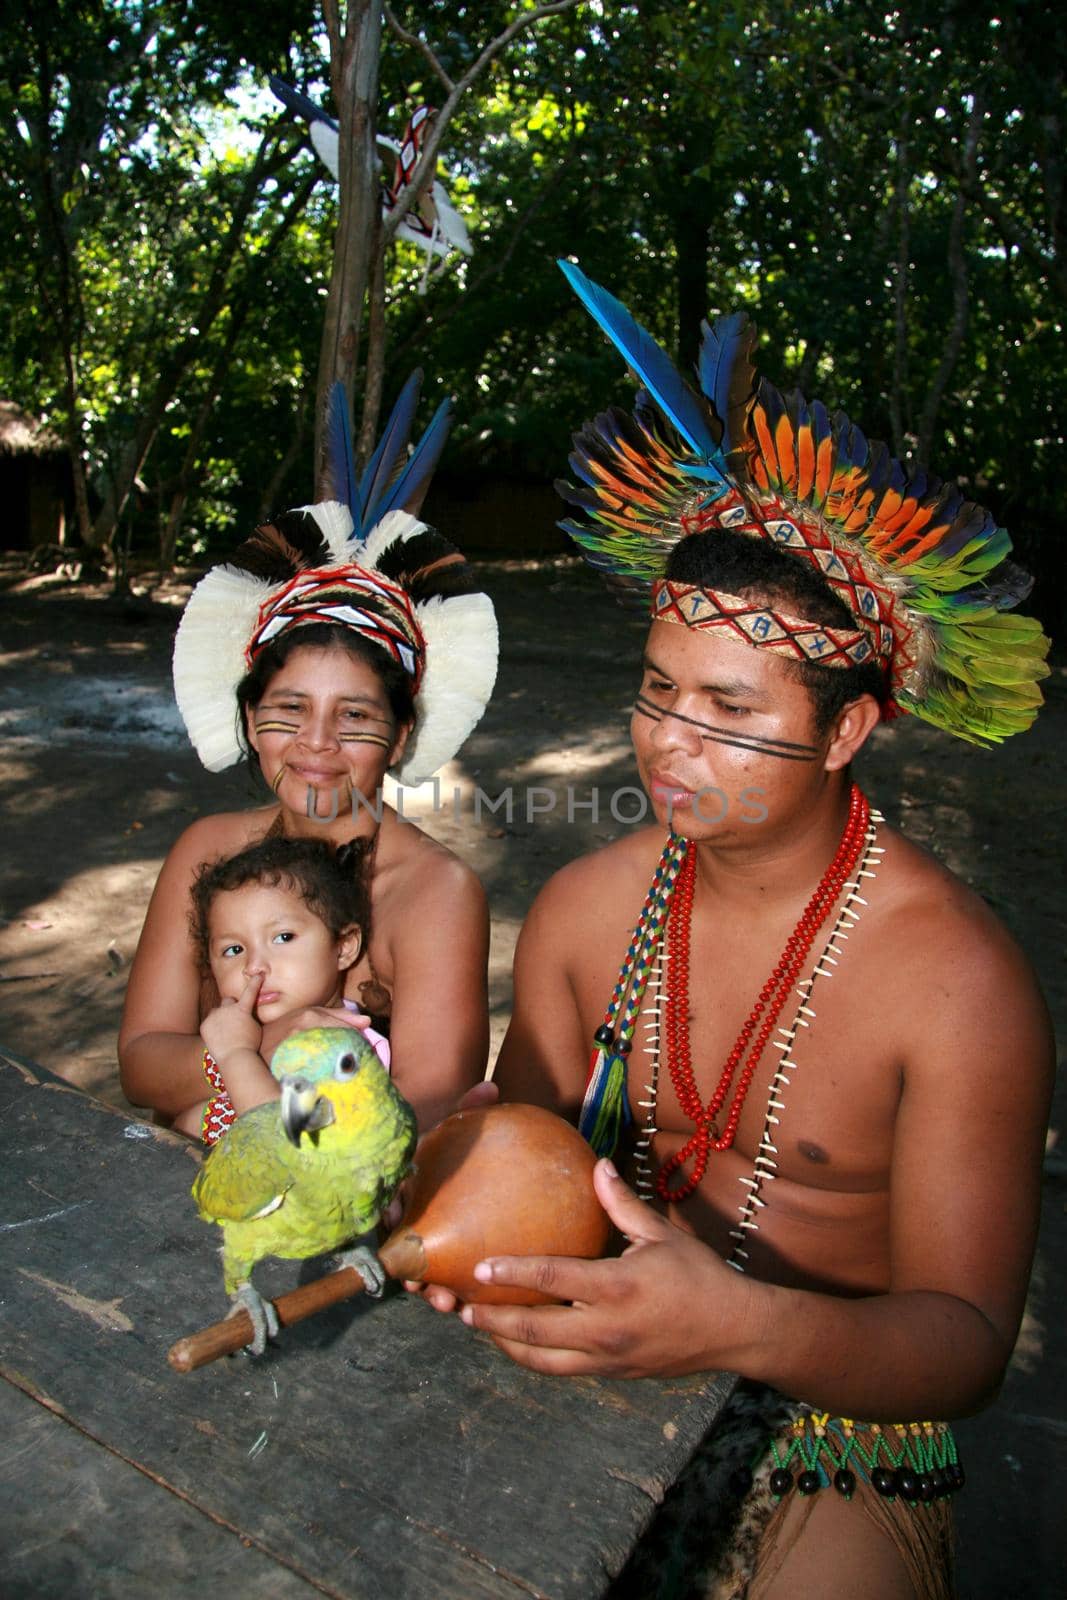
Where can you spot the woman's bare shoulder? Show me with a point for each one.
(221, 834)
(411, 866)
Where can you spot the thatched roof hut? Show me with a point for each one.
(35, 481)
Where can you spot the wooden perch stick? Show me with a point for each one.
(458, 1212)
(232, 1334)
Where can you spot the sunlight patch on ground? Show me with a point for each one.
(89, 710)
(586, 760)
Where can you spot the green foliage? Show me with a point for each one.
(882, 189)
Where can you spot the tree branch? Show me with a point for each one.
(422, 177)
(420, 46)
(184, 352)
(477, 282)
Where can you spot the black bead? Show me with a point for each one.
(741, 1482)
(845, 1482)
(908, 1484)
(884, 1482)
(809, 1482)
(927, 1486)
(956, 1476)
(781, 1482)
(941, 1483)
(625, 1046)
(604, 1035)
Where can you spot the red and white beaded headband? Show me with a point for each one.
(761, 625)
(324, 594)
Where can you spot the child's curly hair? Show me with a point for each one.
(331, 882)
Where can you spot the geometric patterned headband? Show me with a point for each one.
(385, 613)
(761, 625)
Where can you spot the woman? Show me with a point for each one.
(327, 672)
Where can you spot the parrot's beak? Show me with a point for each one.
(304, 1110)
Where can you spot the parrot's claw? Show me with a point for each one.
(365, 1261)
(262, 1313)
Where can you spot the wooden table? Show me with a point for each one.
(379, 1450)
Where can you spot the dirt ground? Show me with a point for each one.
(97, 779)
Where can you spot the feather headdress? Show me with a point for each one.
(359, 559)
(923, 571)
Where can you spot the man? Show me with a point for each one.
(836, 1062)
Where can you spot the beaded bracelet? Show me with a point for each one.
(219, 1113)
(212, 1073)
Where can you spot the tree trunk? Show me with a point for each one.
(901, 274)
(354, 78)
(374, 361)
(691, 269)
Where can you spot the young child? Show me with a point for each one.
(277, 927)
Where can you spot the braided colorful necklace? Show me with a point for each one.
(606, 1107)
(764, 1014)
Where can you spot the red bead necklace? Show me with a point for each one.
(764, 1014)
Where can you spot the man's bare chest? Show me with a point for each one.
(818, 1076)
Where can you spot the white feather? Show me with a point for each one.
(209, 660)
(396, 527)
(461, 660)
(334, 522)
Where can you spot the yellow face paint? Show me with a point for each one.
(365, 738)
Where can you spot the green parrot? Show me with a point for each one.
(310, 1172)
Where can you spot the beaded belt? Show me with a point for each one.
(915, 1460)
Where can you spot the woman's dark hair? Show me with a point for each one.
(331, 883)
(753, 568)
(322, 636)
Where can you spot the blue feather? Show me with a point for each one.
(409, 491)
(652, 366)
(727, 375)
(381, 469)
(295, 101)
(340, 463)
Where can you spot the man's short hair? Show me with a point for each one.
(756, 569)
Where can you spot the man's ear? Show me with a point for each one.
(349, 947)
(851, 729)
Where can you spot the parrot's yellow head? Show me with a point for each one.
(332, 1078)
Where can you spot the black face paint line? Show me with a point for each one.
(266, 726)
(785, 749)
